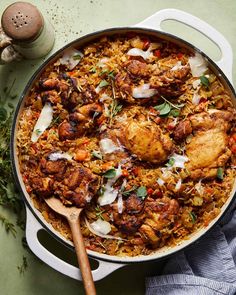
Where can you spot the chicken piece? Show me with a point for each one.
(207, 149)
(133, 204)
(124, 86)
(80, 121)
(127, 223)
(183, 129)
(137, 68)
(42, 186)
(146, 140)
(50, 96)
(160, 213)
(80, 186)
(170, 83)
(57, 167)
(149, 234)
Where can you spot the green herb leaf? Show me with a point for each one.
(103, 83)
(220, 173)
(111, 75)
(204, 81)
(193, 216)
(77, 56)
(111, 173)
(38, 131)
(101, 191)
(103, 72)
(3, 114)
(9, 227)
(22, 268)
(97, 154)
(93, 70)
(142, 192)
(163, 108)
(170, 162)
(128, 192)
(174, 113)
(99, 212)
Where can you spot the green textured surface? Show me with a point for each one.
(72, 19)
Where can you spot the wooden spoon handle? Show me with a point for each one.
(82, 257)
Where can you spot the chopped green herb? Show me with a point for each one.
(170, 162)
(111, 74)
(174, 113)
(204, 81)
(9, 227)
(163, 108)
(103, 72)
(99, 212)
(111, 173)
(22, 268)
(55, 121)
(101, 191)
(38, 131)
(103, 83)
(97, 154)
(128, 192)
(220, 173)
(3, 114)
(93, 70)
(142, 192)
(77, 56)
(193, 216)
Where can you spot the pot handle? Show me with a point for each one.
(32, 229)
(155, 20)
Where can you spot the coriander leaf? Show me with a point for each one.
(204, 81)
(111, 173)
(193, 217)
(220, 173)
(97, 154)
(77, 56)
(38, 131)
(111, 75)
(103, 83)
(101, 191)
(128, 192)
(164, 109)
(93, 70)
(174, 113)
(103, 72)
(3, 114)
(170, 162)
(142, 192)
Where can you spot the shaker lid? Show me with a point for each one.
(22, 21)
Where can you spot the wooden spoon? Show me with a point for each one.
(72, 215)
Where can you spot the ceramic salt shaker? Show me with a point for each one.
(31, 34)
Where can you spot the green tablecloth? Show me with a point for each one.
(72, 19)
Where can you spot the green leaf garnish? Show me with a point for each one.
(3, 114)
(38, 131)
(111, 75)
(170, 162)
(93, 70)
(128, 192)
(142, 192)
(103, 83)
(174, 113)
(77, 56)
(193, 217)
(103, 72)
(163, 108)
(220, 173)
(204, 81)
(111, 173)
(97, 154)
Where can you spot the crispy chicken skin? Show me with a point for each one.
(207, 149)
(160, 214)
(146, 140)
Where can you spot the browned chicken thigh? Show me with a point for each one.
(208, 148)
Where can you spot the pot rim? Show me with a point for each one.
(194, 238)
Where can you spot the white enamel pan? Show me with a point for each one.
(35, 220)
